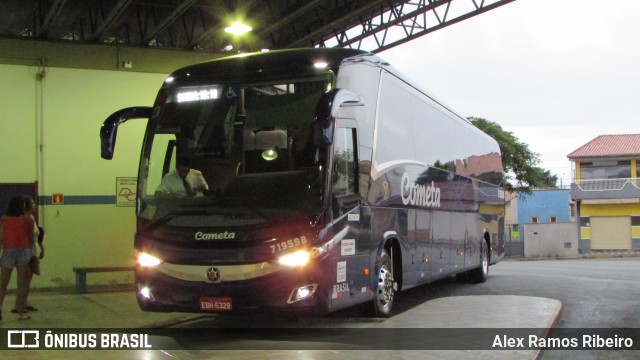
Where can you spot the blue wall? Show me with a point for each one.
(544, 204)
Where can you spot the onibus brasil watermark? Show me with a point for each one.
(48, 339)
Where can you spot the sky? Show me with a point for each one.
(555, 73)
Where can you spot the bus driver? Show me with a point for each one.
(182, 182)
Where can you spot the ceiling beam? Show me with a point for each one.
(307, 40)
(423, 7)
(442, 22)
(167, 21)
(290, 17)
(52, 15)
(373, 25)
(113, 15)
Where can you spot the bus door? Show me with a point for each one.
(349, 284)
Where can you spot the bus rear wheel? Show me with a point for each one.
(386, 287)
(481, 273)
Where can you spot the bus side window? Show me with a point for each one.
(345, 193)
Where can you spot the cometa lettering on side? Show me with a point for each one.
(417, 194)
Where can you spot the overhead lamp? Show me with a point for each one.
(269, 155)
(238, 28)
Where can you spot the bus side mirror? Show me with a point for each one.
(109, 128)
(326, 112)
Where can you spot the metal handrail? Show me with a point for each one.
(607, 184)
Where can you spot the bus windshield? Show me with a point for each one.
(249, 148)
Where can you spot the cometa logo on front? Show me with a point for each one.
(420, 195)
(215, 236)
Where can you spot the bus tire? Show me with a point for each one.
(386, 287)
(481, 273)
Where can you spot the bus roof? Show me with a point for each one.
(264, 65)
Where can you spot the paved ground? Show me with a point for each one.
(118, 310)
(532, 295)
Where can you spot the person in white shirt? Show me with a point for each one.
(182, 182)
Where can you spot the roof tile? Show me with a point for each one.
(609, 145)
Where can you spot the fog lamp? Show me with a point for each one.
(301, 293)
(145, 292)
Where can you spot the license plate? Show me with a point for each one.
(215, 304)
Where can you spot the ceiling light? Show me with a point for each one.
(238, 28)
(269, 155)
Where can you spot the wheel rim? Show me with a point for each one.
(385, 289)
(485, 259)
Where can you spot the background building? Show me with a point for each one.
(607, 192)
(544, 206)
(540, 224)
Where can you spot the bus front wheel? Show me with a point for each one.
(386, 287)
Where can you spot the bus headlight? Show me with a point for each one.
(147, 260)
(302, 257)
(298, 258)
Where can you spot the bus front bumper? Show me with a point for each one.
(224, 289)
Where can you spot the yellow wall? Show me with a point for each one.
(589, 210)
(17, 124)
(63, 112)
(53, 99)
(585, 233)
(86, 235)
(609, 210)
(76, 104)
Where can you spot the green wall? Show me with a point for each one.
(53, 99)
(17, 124)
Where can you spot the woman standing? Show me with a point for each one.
(38, 233)
(18, 240)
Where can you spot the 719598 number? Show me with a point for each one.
(289, 244)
